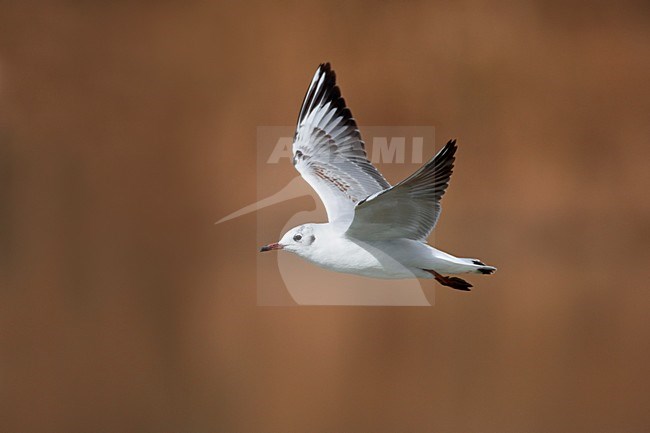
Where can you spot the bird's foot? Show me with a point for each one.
(453, 282)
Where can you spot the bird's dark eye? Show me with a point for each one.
(297, 238)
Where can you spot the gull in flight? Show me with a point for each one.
(373, 229)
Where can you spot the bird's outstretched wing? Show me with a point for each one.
(409, 209)
(328, 150)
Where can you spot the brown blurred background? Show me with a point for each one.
(127, 129)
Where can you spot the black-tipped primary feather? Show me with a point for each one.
(409, 209)
(328, 150)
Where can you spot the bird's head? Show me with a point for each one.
(295, 240)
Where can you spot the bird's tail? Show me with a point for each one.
(479, 267)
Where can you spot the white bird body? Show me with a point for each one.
(375, 229)
(387, 259)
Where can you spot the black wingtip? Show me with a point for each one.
(446, 153)
(487, 270)
(330, 75)
(446, 156)
(451, 145)
(329, 91)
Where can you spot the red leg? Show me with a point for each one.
(453, 282)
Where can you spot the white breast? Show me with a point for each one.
(340, 254)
